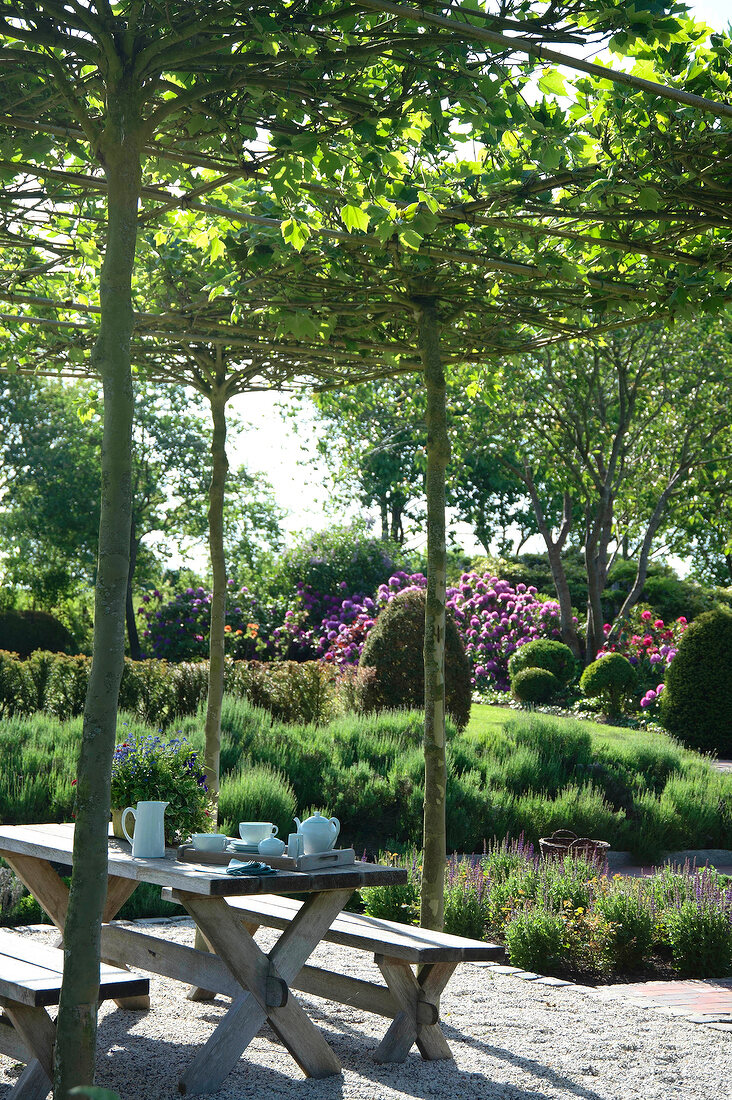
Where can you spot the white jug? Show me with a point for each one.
(148, 841)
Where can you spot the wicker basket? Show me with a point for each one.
(563, 842)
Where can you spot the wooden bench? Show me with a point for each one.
(30, 979)
(411, 999)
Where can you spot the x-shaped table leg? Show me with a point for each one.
(265, 980)
(419, 1001)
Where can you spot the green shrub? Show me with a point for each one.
(545, 653)
(535, 940)
(695, 705)
(68, 688)
(466, 899)
(39, 669)
(292, 691)
(534, 685)
(629, 914)
(610, 679)
(394, 649)
(399, 903)
(700, 936)
(346, 554)
(15, 689)
(23, 632)
(257, 793)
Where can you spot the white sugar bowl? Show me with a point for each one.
(271, 847)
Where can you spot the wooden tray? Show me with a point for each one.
(336, 857)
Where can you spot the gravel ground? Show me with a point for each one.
(512, 1040)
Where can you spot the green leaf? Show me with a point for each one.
(552, 83)
(217, 248)
(410, 239)
(295, 233)
(353, 217)
(431, 203)
(385, 230)
(649, 197)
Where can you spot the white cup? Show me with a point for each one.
(209, 842)
(295, 845)
(252, 832)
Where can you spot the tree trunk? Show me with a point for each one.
(554, 549)
(77, 1016)
(597, 540)
(643, 558)
(217, 633)
(133, 639)
(384, 510)
(435, 770)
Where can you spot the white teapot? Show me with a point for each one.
(319, 833)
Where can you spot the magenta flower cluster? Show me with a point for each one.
(493, 618)
(650, 645)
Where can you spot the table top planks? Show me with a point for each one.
(55, 842)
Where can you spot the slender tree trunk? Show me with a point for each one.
(133, 639)
(435, 770)
(599, 532)
(77, 1017)
(643, 558)
(554, 549)
(217, 636)
(384, 509)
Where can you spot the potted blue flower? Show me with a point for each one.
(167, 770)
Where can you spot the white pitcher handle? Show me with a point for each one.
(336, 822)
(127, 810)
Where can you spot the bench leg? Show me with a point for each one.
(418, 1018)
(266, 980)
(38, 1032)
(33, 1083)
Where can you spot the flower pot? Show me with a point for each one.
(117, 823)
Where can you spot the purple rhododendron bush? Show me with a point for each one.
(493, 617)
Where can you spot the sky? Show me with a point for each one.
(271, 446)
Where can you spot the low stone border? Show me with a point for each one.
(698, 1001)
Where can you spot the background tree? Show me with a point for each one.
(621, 426)
(371, 439)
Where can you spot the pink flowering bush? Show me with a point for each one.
(493, 619)
(650, 646)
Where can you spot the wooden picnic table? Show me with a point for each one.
(263, 980)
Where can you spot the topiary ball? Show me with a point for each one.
(394, 649)
(555, 657)
(534, 685)
(610, 678)
(696, 704)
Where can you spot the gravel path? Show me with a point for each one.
(512, 1039)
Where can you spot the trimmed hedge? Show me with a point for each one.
(610, 679)
(696, 704)
(394, 649)
(23, 632)
(555, 657)
(534, 685)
